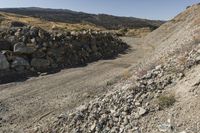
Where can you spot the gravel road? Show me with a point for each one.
(37, 99)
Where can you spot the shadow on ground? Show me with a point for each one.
(23, 76)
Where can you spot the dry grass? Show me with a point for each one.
(137, 32)
(182, 60)
(165, 101)
(126, 74)
(141, 32)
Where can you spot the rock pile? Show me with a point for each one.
(27, 48)
(122, 111)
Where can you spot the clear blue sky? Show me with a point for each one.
(150, 9)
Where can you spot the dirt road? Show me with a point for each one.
(25, 103)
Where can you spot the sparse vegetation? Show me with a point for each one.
(109, 83)
(126, 74)
(182, 60)
(165, 101)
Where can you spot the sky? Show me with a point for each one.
(148, 9)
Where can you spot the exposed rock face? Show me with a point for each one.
(30, 45)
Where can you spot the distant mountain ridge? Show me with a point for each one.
(102, 20)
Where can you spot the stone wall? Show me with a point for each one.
(33, 49)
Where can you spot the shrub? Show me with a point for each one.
(166, 101)
(109, 83)
(126, 74)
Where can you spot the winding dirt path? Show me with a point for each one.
(37, 99)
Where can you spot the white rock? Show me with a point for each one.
(137, 103)
(158, 67)
(141, 111)
(183, 132)
(92, 128)
(164, 127)
(198, 51)
(197, 58)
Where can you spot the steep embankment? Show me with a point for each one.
(177, 34)
(165, 99)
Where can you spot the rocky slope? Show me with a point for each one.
(164, 97)
(101, 20)
(26, 48)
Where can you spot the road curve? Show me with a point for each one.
(37, 99)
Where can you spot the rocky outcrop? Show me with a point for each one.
(28, 48)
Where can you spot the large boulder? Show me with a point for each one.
(21, 48)
(38, 54)
(40, 63)
(20, 64)
(5, 45)
(4, 64)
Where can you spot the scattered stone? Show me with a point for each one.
(158, 67)
(93, 127)
(141, 111)
(117, 112)
(197, 59)
(165, 128)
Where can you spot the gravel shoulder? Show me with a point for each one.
(37, 99)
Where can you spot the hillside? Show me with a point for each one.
(100, 20)
(7, 19)
(162, 95)
(151, 87)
